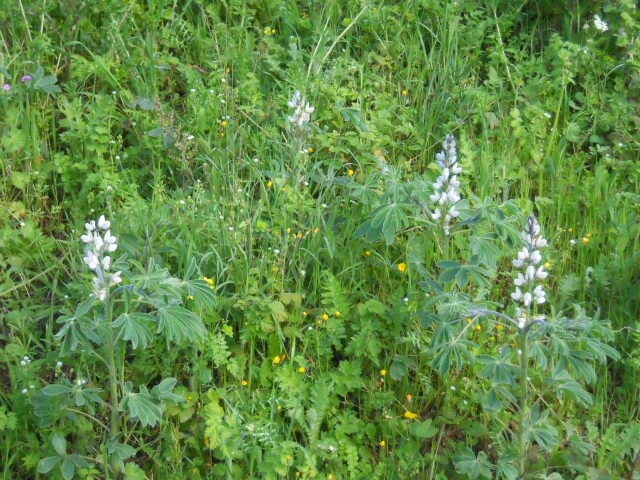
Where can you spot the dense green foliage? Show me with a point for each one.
(289, 307)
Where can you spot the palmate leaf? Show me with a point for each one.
(202, 293)
(180, 324)
(143, 407)
(136, 329)
(386, 221)
(467, 463)
(562, 382)
(499, 372)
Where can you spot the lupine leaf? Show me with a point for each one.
(467, 463)
(135, 328)
(180, 324)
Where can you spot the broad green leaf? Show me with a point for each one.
(424, 429)
(46, 464)
(68, 468)
(135, 328)
(59, 444)
(121, 451)
(56, 389)
(467, 463)
(202, 293)
(180, 324)
(143, 408)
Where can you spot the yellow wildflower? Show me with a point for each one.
(269, 184)
(570, 230)
(585, 240)
(276, 360)
(351, 172)
(331, 476)
(409, 397)
(325, 316)
(492, 339)
(410, 415)
(382, 443)
(224, 123)
(337, 313)
(469, 320)
(305, 313)
(316, 230)
(547, 265)
(299, 235)
(383, 372)
(311, 150)
(190, 297)
(402, 267)
(210, 281)
(478, 327)
(244, 383)
(302, 370)
(500, 327)
(267, 31)
(405, 92)
(368, 253)
(273, 31)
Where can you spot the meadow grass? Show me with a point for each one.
(339, 340)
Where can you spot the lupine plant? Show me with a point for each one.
(113, 318)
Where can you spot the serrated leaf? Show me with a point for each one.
(56, 389)
(120, 451)
(202, 293)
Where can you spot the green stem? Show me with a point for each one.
(113, 380)
(524, 393)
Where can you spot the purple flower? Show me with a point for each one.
(26, 78)
(6, 87)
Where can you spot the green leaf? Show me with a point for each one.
(46, 464)
(400, 366)
(120, 451)
(134, 472)
(498, 371)
(202, 293)
(180, 324)
(68, 469)
(467, 463)
(136, 329)
(143, 407)
(424, 429)
(59, 444)
(56, 389)
(163, 391)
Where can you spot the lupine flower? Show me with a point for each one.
(600, 24)
(303, 110)
(447, 186)
(26, 78)
(529, 259)
(100, 241)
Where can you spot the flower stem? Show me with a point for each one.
(524, 393)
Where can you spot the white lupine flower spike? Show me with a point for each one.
(96, 258)
(447, 186)
(302, 114)
(528, 291)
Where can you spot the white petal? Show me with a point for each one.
(103, 223)
(526, 299)
(88, 238)
(106, 262)
(91, 226)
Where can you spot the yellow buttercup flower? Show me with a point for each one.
(382, 443)
(337, 313)
(325, 316)
(277, 359)
(409, 397)
(269, 184)
(351, 172)
(585, 240)
(244, 383)
(224, 123)
(302, 370)
(383, 372)
(368, 253)
(402, 267)
(410, 415)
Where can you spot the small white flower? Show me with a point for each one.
(106, 262)
(92, 260)
(91, 226)
(87, 238)
(24, 390)
(103, 223)
(58, 364)
(116, 278)
(600, 24)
